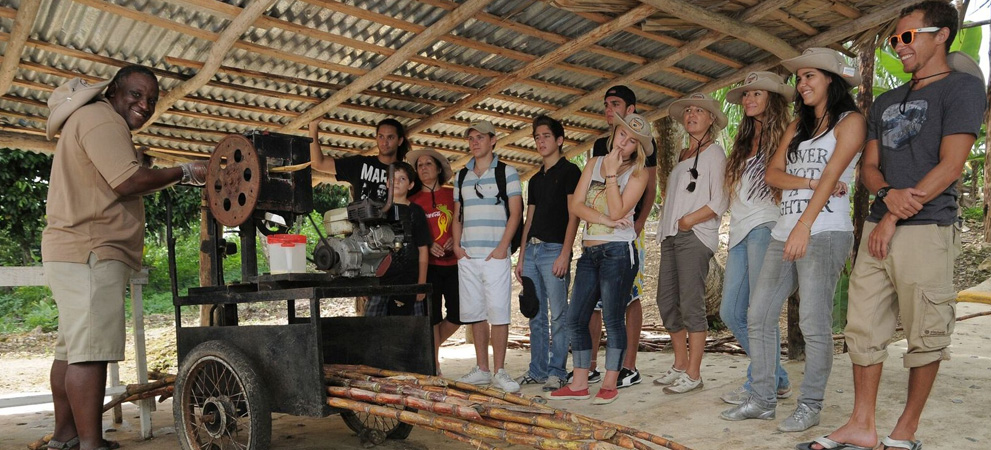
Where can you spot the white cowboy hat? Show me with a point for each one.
(67, 98)
(824, 59)
(962, 62)
(445, 165)
(640, 127)
(763, 81)
(678, 107)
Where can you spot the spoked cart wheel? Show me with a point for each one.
(376, 429)
(219, 401)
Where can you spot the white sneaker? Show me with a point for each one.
(669, 377)
(684, 384)
(503, 381)
(478, 377)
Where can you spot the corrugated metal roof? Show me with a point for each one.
(300, 53)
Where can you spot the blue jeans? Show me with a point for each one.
(604, 271)
(548, 353)
(815, 275)
(742, 270)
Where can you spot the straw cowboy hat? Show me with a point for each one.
(824, 59)
(67, 98)
(640, 127)
(678, 107)
(962, 62)
(445, 166)
(762, 81)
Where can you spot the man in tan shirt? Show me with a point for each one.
(94, 237)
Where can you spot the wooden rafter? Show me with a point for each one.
(427, 37)
(218, 52)
(686, 50)
(741, 30)
(23, 22)
(633, 16)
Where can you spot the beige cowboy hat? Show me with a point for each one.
(763, 81)
(67, 98)
(824, 59)
(445, 166)
(962, 62)
(678, 107)
(640, 127)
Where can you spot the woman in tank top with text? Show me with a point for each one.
(812, 239)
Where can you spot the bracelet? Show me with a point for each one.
(611, 176)
(810, 183)
(806, 225)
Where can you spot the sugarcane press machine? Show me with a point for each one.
(233, 375)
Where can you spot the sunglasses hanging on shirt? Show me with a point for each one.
(694, 172)
(478, 192)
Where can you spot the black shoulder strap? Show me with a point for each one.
(461, 194)
(500, 176)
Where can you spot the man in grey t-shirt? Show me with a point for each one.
(919, 136)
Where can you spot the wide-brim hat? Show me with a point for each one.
(678, 107)
(640, 127)
(67, 98)
(445, 166)
(962, 62)
(824, 59)
(761, 81)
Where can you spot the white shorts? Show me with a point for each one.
(486, 289)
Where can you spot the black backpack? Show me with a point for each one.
(500, 176)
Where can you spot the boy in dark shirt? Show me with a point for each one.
(409, 264)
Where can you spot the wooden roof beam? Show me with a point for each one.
(218, 52)
(558, 54)
(429, 36)
(877, 17)
(23, 23)
(691, 48)
(743, 31)
(845, 9)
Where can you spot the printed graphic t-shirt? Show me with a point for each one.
(367, 175)
(439, 208)
(909, 142)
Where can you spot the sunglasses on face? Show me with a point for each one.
(908, 36)
(478, 192)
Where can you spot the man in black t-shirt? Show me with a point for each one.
(367, 175)
(618, 102)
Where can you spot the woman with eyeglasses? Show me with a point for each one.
(812, 239)
(753, 208)
(688, 232)
(437, 200)
(608, 190)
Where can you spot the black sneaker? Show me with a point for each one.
(628, 378)
(594, 376)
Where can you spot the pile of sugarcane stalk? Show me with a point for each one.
(475, 415)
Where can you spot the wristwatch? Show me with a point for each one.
(882, 193)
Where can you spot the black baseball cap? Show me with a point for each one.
(622, 92)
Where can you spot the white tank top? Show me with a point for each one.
(808, 161)
(595, 198)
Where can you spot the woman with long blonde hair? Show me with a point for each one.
(753, 209)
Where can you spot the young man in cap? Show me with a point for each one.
(482, 237)
(94, 237)
(618, 102)
(545, 254)
(919, 136)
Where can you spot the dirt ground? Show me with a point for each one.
(956, 416)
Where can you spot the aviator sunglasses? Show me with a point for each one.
(908, 36)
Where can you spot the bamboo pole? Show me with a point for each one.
(448, 409)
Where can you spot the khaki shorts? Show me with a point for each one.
(915, 280)
(90, 299)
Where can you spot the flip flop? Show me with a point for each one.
(59, 445)
(830, 444)
(888, 442)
